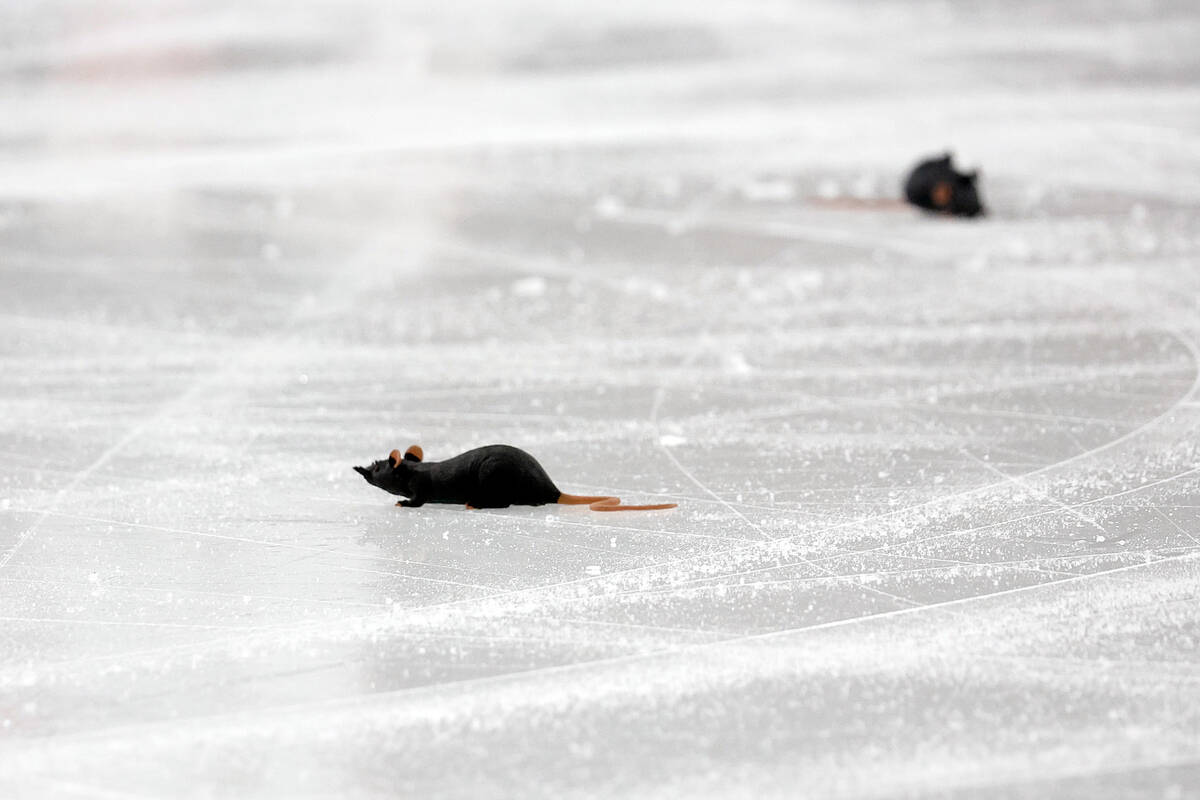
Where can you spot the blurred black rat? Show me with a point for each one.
(936, 185)
(496, 476)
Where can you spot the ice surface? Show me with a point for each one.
(939, 483)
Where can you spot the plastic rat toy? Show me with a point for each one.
(936, 185)
(496, 476)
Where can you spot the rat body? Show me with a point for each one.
(496, 476)
(936, 185)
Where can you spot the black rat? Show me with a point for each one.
(495, 476)
(936, 185)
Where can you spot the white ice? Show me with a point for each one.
(939, 482)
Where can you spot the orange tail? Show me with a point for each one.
(608, 503)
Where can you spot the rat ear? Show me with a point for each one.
(414, 453)
(395, 457)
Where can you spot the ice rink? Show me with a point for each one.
(938, 530)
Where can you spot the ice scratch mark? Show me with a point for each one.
(558, 520)
(522, 676)
(265, 543)
(1030, 488)
(114, 587)
(659, 396)
(1025, 518)
(90, 470)
(119, 623)
(1158, 510)
(726, 582)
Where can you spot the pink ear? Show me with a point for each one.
(395, 457)
(415, 453)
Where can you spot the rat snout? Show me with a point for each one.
(366, 473)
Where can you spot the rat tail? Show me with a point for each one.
(608, 503)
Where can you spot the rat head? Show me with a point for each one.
(393, 474)
(957, 195)
(964, 197)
